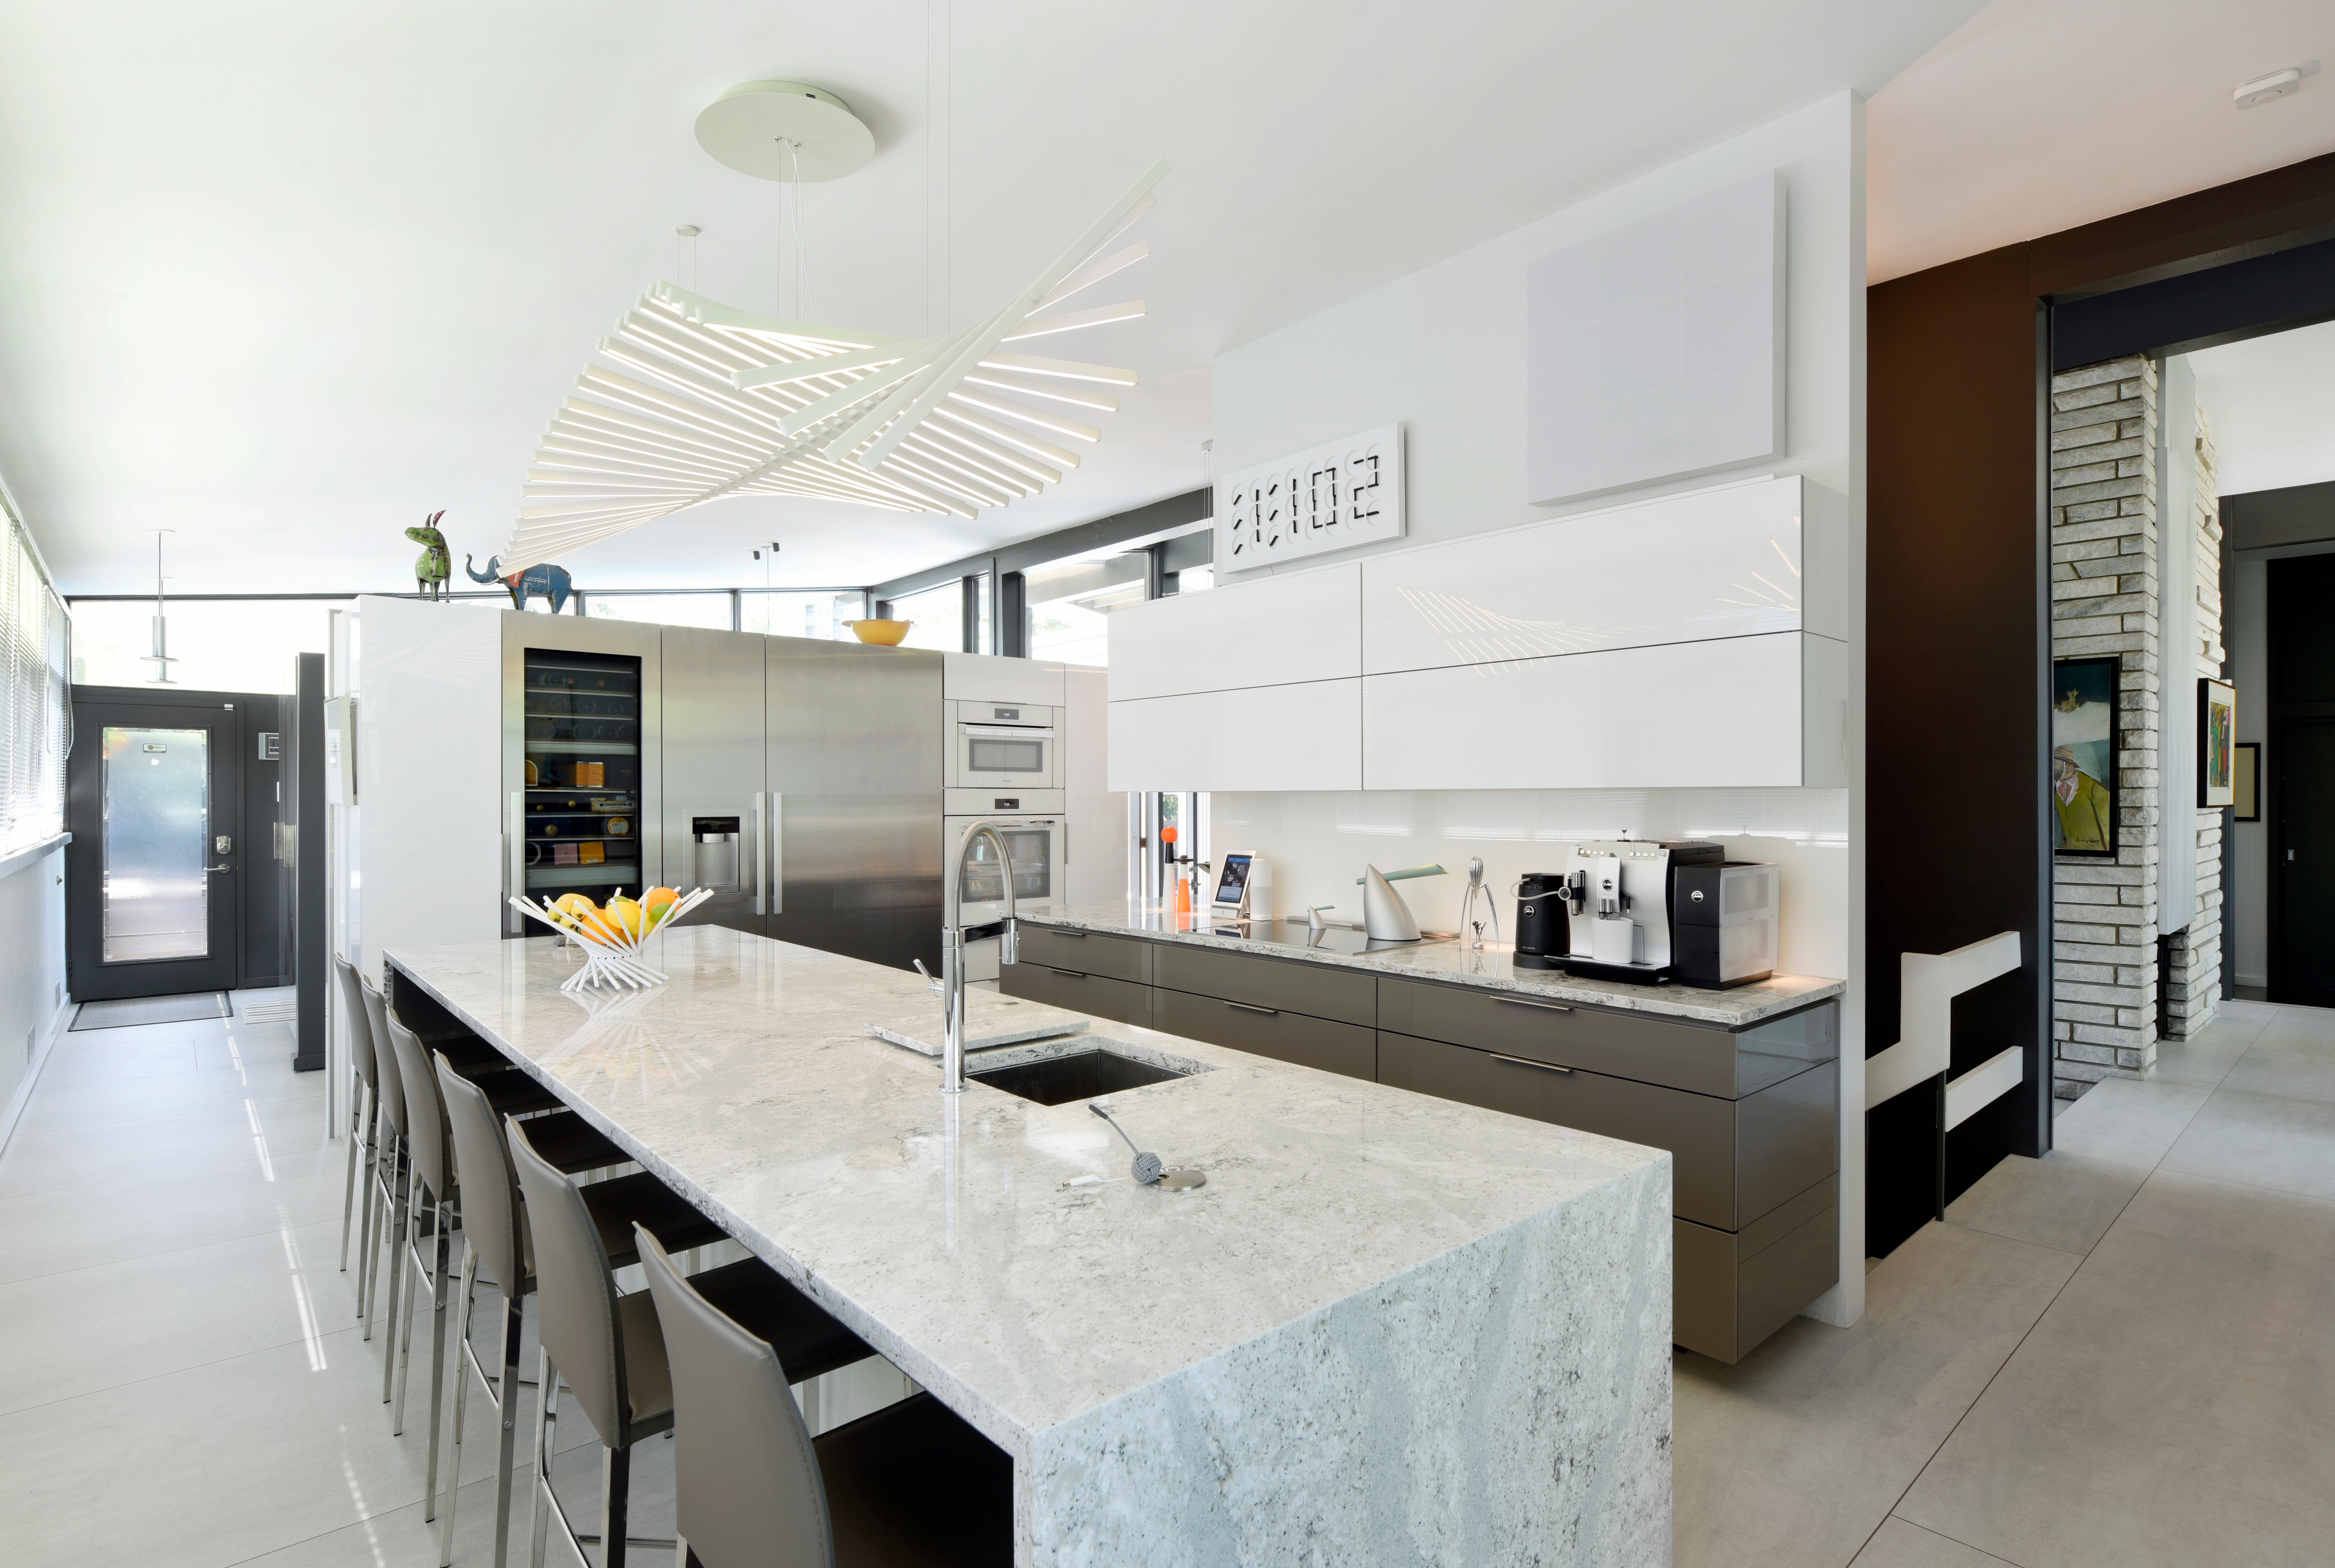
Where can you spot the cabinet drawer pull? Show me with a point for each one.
(1066, 973)
(1542, 1006)
(1065, 935)
(1527, 1062)
(1245, 1007)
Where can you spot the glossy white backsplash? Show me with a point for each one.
(1319, 842)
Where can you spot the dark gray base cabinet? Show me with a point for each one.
(1750, 1116)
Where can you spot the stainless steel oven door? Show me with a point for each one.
(1035, 844)
(1006, 756)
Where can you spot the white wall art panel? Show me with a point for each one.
(1332, 497)
(1656, 349)
(1266, 631)
(1304, 737)
(1729, 562)
(1681, 715)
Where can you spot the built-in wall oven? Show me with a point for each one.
(1036, 844)
(1004, 746)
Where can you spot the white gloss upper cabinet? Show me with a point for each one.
(1740, 560)
(1767, 710)
(1266, 631)
(1302, 737)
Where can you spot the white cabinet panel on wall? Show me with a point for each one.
(1269, 631)
(1740, 560)
(1297, 737)
(1765, 710)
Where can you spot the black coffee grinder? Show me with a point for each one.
(1544, 929)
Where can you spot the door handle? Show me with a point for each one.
(221, 866)
(778, 852)
(1542, 1006)
(1527, 1062)
(762, 881)
(1245, 1007)
(515, 871)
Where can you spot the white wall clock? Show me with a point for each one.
(1332, 497)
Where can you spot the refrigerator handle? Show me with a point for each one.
(515, 872)
(778, 857)
(761, 863)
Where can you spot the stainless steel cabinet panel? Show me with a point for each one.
(712, 767)
(856, 748)
(1284, 985)
(1701, 1059)
(1309, 1041)
(1736, 1159)
(1732, 1291)
(1096, 994)
(1787, 1140)
(1698, 1129)
(1089, 952)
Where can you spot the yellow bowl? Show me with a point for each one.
(883, 633)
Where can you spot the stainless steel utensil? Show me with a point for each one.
(1146, 1167)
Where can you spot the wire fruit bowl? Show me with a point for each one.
(611, 954)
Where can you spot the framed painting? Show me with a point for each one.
(2217, 728)
(2248, 792)
(2083, 784)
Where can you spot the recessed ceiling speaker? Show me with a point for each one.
(785, 131)
(2261, 90)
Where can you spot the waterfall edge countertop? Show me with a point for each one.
(1389, 1327)
(1447, 963)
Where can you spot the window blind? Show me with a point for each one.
(34, 639)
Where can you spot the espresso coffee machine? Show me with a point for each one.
(1617, 894)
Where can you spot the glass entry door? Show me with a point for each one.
(154, 858)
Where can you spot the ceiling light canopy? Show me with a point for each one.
(690, 401)
(785, 131)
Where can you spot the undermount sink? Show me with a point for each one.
(1075, 1075)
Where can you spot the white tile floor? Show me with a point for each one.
(2123, 1353)
(2120, 1354)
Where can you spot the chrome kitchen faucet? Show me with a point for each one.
(952, 954)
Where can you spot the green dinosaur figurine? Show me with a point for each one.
(435, 564)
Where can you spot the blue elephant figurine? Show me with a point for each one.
(552, 582)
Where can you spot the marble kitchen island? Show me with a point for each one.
(1390, 1328)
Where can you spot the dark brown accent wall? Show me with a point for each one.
(1957, 660)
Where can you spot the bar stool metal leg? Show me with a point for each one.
(462, 1387)
(358, 1094)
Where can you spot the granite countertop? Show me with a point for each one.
(995, 1249)
(1446, 961)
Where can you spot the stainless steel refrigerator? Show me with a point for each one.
(854, 763)
(802, 782)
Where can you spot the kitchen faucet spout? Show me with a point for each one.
(953, 955)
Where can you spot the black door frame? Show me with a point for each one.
(253, 951)
(2282, 715)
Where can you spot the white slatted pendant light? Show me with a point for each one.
(690, 401)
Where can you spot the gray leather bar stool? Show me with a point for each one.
(904, 1486)
(433, 1206)
(361, 1098)
(497, 1244)
(472, 1058)
(607, 1346)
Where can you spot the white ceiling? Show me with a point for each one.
(2270, 403)
(286, 277)
(2038, 115)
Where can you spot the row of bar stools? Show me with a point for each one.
(498, 1243)
(432, 1205)
(910, 1485)
(385, 1198)
(606, 1346)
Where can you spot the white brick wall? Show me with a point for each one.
(2195, 982)
(2105, 599)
